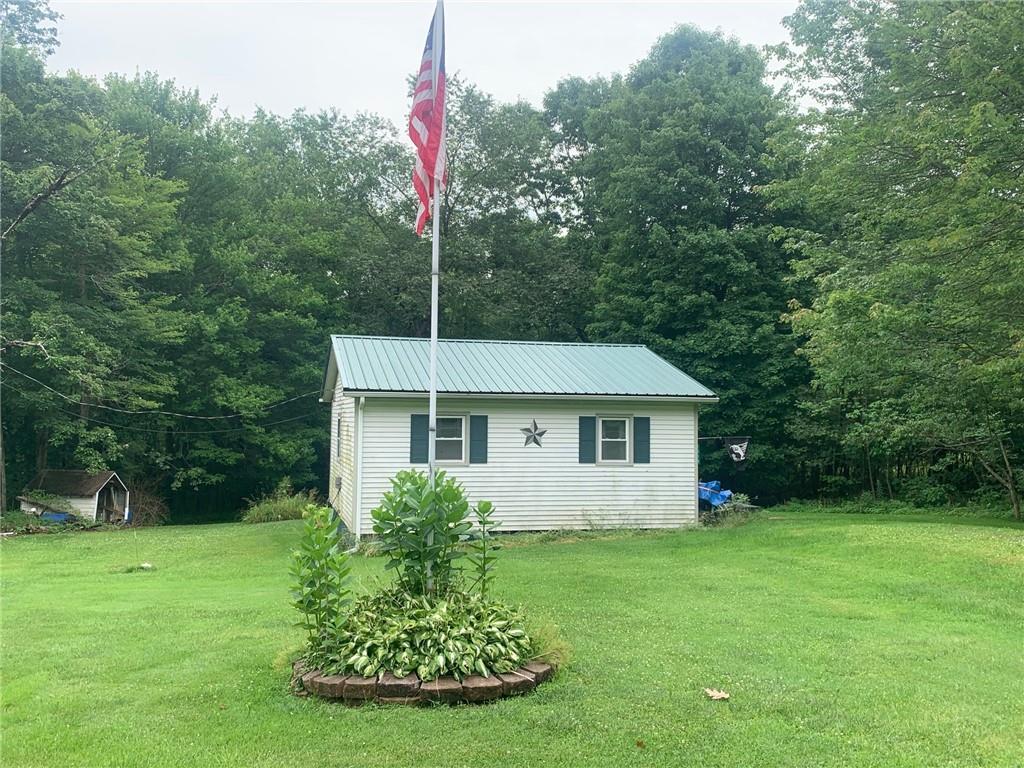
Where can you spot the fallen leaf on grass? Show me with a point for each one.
(716, 695)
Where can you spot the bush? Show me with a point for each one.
(19, 522)
(320, 574)
(428, 622)
(148, 506)
(458, 634)
(282, 504)
(737, 508)
(867, 505)
(16, 521)
(422, 530)
(923, 492)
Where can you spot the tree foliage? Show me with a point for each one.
(912, 230)
(668, 162)
(159, 257)
(850, 280)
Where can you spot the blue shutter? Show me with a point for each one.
(477, 439)
(419, 438)
(588, 439)
(641, 440)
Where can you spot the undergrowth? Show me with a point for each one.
(282, 504)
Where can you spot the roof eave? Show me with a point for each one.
(330, 382)
(534, 395)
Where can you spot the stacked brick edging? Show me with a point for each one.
(388, 689)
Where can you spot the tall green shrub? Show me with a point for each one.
(483, 547)
(422, 529)
(320, 573)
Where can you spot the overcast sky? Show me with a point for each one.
(355, 56)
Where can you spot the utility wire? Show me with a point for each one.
(177, 431)
(149, 413)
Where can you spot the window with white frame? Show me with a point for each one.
(614, 443)
(450, 444)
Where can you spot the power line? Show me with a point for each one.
(150, 413)
(177, 431)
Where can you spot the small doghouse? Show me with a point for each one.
(98, 496)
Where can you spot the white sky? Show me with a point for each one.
(356, 56)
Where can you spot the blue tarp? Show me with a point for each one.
(712, 493)
(55, 517)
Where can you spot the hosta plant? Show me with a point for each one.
(457, 634)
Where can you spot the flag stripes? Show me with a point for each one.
(426, 122)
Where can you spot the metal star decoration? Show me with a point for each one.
(533, 435)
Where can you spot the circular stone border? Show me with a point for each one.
(409, 690)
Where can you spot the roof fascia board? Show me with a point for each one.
(537, 396)
(112, 476)
(327, 392)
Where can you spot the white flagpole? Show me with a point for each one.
(435, 264)
(435, 275)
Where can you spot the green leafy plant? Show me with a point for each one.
(483, 546)
(549, 645)
(422, 528)
(17, 521)
(458, 634)
(428, 621)
(282, 504)
(736, 509)
(320, 574)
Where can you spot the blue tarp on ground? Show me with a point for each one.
(55, 517)
(712, 493)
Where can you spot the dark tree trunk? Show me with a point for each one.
(871, 474)
(42, 443)
(1011, 481)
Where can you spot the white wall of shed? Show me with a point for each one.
(82, 506)
(341, 490)
(546, 488)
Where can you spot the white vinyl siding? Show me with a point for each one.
(541, 488)
(341, 488)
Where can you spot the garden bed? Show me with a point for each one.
(411, 691)
(435, 634)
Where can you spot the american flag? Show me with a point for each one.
(426, 123)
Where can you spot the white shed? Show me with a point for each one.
(555, 435)
(96, 496)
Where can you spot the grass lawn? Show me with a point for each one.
(844, 641)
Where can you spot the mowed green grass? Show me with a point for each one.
(843, 641)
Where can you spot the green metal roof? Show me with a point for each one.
(400, 364)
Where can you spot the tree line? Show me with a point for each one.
(849, 278)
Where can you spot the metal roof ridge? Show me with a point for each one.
(489, 341)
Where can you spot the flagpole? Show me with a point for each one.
(435, 276)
